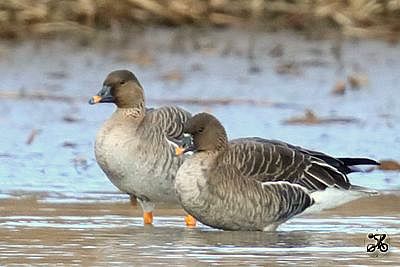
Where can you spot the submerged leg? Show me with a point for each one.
(133, 200)
(148, 208)
(190, 221)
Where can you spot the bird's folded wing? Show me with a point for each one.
(266, 160)
(170, 119)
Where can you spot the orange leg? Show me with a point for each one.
(148, 217)
(190, 221)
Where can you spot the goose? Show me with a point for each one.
(133, 147)
(255, 184)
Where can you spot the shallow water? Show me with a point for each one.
(37, 232)
(57, 206)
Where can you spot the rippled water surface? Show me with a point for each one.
(95, 234)
(56, 206)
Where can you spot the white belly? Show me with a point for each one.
(117, 153)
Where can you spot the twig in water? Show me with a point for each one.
(32, 136)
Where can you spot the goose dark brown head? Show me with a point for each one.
(207, 132)
(122, 88)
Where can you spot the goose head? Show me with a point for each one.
(122, 88)
(207, 134)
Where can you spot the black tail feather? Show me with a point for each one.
(358, 161)
(346, 165)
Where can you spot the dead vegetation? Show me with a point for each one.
(389, 165)
(40, 95)
(357, 18)
(356, 81)
(310, 118)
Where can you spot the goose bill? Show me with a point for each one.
(104, 96)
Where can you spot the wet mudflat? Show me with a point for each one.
(56, 206)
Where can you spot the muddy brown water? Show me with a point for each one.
(56, 206)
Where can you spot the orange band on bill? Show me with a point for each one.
(96, 99)
(179, 150)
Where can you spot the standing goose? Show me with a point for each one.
(132, 146)
(257, 184)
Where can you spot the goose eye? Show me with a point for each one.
(122, 82)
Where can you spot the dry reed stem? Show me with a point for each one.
(156, 9)
(359, 18)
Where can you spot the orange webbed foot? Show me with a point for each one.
(148, 217)
(190, 221)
